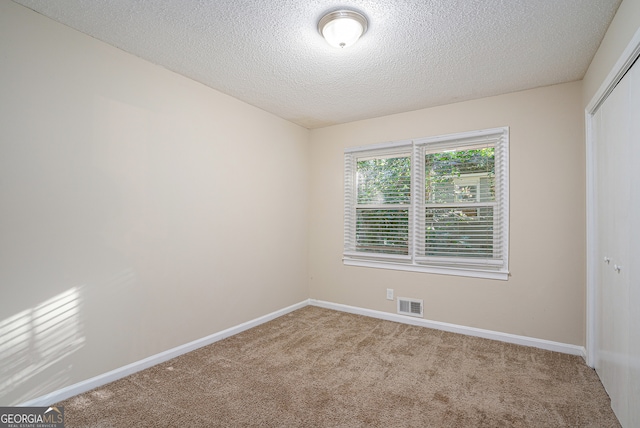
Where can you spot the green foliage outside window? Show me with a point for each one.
(383, 181)
(451, 177)
(462, 176)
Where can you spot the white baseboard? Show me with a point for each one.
(113, 375)
(454, 328)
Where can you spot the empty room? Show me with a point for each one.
(318, 213)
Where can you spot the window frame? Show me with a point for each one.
(490, 268)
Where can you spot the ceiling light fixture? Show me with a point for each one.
(342, 28)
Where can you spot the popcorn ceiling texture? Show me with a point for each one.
(416, 53)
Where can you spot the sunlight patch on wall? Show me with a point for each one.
(37, 338)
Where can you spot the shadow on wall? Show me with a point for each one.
(35, 345)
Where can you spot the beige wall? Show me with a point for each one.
(147, 206)
(622, 28)
(545, 296)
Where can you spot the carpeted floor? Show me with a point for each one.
(321, 368)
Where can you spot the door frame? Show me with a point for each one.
(624, 63)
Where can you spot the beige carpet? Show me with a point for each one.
(321, 368)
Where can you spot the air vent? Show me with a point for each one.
(411, 307)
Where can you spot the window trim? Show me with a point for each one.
(499, 136)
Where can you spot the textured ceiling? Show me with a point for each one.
(415, 54)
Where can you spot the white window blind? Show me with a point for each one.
(434, 204)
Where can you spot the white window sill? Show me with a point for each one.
(456, 271)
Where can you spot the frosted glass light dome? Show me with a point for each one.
(342, 28)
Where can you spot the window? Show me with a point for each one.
(435, 205)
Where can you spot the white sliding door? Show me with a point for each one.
(616, 130)
(634, 250)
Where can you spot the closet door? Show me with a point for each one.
(633, 303)
(618, 212)
(609, 364)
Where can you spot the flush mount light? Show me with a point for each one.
(342, 28)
